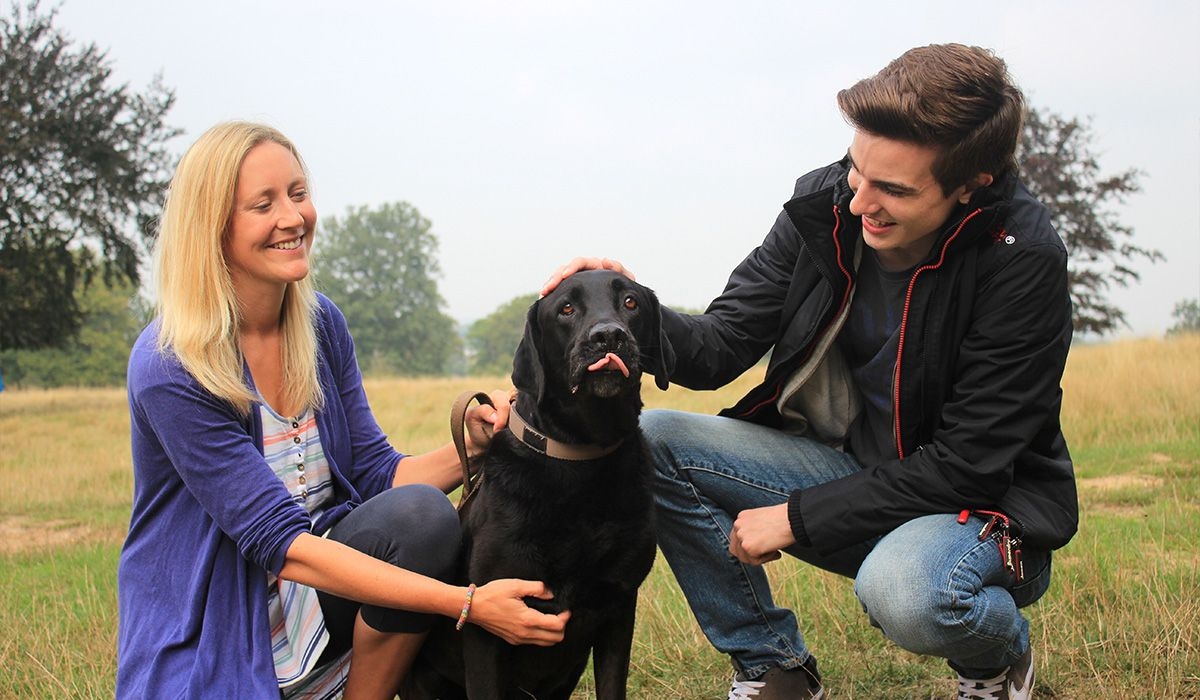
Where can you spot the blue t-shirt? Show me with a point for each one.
(869, 342)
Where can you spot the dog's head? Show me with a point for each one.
(595, 334)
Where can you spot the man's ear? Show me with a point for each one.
(980, 180)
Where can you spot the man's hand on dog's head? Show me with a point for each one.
(577, 264)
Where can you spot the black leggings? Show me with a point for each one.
(413, 527)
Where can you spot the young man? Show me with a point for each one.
(914, 300)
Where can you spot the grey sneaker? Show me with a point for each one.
(800, 683)
(1014, 684)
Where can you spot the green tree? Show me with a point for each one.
(379, 266)
(1060, 169)
(83, 165)
(492, 340)
(1187, 317)
(97, 355)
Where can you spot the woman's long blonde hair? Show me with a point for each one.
(197, 307)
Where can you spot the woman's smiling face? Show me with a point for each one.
(271, 227)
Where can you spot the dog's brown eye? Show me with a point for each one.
(630, 303)
(567, 309)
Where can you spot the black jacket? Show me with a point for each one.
(984, 340)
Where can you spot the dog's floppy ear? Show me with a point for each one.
(527, 375)
(662, 354)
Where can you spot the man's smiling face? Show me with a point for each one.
(900, 201)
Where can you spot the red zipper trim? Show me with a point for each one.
(904, 329)
(754, 409)
(837, 226)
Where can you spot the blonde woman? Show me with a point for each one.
(278, 542)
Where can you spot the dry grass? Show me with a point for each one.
(64, 454)
(1133, 392)
(1121, 619)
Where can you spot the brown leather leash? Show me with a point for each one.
(458, 419)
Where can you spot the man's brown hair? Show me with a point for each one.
(958, 99)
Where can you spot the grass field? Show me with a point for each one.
(1122, 618)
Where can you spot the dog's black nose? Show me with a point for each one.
(608, 333)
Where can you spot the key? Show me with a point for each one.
(1006, 554)
(987, 528)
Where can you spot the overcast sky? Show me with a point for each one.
(666, 135)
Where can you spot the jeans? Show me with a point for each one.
(930, 585)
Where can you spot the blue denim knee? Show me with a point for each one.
(934, 588)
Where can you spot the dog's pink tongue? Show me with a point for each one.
(610, 358)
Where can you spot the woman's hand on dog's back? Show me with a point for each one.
(581, 263)
(498, 607)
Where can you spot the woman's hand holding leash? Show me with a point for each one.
(483, 421)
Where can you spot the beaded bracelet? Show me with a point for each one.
(466, 611)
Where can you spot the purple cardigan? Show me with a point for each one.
(210, 518)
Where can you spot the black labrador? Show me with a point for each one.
(564, 498)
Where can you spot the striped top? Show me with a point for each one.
(292, 448)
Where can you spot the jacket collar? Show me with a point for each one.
(991, 202)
